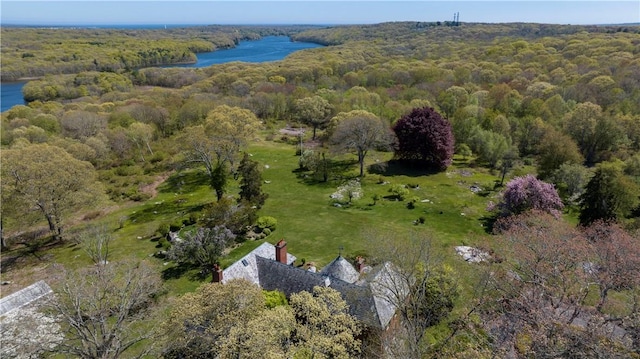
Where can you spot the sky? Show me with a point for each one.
(326, 12)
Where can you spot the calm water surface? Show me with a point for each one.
(270, 48)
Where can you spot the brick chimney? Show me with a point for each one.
(281, 251)
(359, 264)
(217, 274)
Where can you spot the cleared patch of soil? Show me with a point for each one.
(152, 188)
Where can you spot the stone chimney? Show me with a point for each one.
(359, 264)
(281, 251)
(217, 274)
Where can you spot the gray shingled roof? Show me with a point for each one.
(366, 300)
(340, 268)
(370, 298)
(24, 296)
(246, 267)
(387, 288)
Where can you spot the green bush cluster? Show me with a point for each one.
(399, 192)
(266, 222)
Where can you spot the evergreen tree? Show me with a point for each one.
(251, 182)
(609, 195)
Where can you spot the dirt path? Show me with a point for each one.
(152, 188)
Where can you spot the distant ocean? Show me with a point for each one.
(120, 26)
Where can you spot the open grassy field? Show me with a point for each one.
(313, 227)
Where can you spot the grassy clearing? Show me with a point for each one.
(313, 228)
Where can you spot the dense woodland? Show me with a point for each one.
(558, 103)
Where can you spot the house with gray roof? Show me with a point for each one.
(370, 292)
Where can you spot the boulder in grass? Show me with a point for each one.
(473, 255)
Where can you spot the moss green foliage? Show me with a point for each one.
(28, 52)
(267, 222)
(274, 298)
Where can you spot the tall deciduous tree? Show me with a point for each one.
(217, 144)
(554, 150)
(571, 180)
(609, 195)
(200, 322)
(489, 146)
(203, 247)
(141, 135)
(325, 327)
(232, 321)
(313, 111)
(592, 130)
(103, 306)
(540, 306)
(615, 258)
(541, 287)
(47, 179)
(232, 128)
(424, 135)
(452, 99)
(361, 131)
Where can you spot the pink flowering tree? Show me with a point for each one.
(529, 193)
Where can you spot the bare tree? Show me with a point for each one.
(421, 289)
(204, 247)
(359, 132)
(96, 242)
(103, 309)
(540, 303)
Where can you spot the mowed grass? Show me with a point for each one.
(313, 227)
(316, 230)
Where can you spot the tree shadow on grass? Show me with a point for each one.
(488, 222)
(178, 271)
(28, 248)
(152, 212)
(402, 168)
(338, 171)
(185, 182)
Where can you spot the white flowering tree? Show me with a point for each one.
(348, 192)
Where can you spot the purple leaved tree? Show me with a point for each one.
(529, 193)
(425, 136)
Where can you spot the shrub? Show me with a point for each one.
(412, 203)
(191, 220)
(91, 215)
(266, 231)
(138, 196)
(163, 229)
(176, 226)
(265, 222)
(399, 191)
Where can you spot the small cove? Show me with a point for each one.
(269, 48)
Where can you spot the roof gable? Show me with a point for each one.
(341, 269)
(246, 267)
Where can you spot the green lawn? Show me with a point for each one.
(313, 228)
